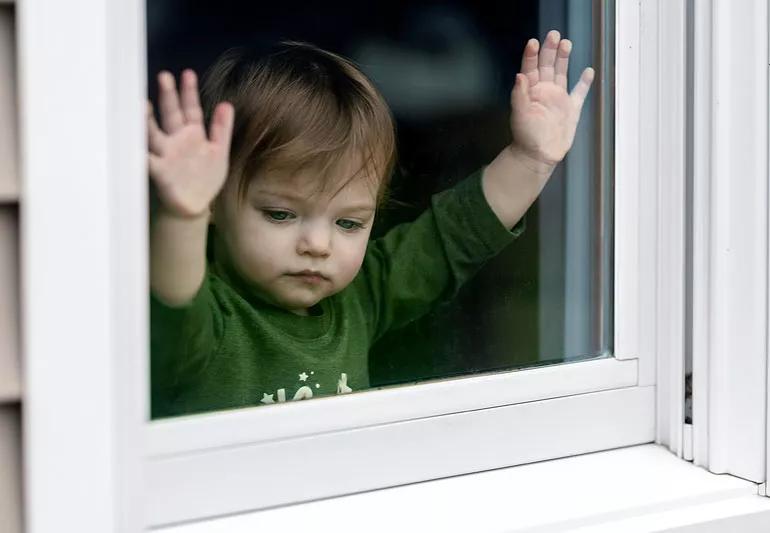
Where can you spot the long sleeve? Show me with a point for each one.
(183, 340)
(420, 264)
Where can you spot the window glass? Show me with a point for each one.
(445, 70)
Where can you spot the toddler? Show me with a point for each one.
(283, 191)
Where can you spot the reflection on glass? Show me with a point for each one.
(445, 72)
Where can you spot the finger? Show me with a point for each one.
(221, 128)
(580, 91)
(155, 137)
(171, 116)
(548, 55)
(529, 61)
(520, 92)
(191, 106)
(562, 63)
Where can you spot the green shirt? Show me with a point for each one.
(227, 348)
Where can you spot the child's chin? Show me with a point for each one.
(297, 302)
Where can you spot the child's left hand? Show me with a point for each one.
(543, 115)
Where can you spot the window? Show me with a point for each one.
(446, 71)
(611, 393)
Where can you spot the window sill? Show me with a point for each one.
(640, 488)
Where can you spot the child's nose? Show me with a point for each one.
(314, 240)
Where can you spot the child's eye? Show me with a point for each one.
(349, 225)
(277, 216)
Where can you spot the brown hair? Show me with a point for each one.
(301, 107)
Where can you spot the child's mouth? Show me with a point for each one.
(309, 276)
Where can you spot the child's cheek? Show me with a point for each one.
(353, 258)
(266, 248)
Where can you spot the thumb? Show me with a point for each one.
(520, 92)
(580, 91)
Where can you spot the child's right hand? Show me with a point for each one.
(188, 168)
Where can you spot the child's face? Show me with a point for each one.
(295, 244)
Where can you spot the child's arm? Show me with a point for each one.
(188, 170)
(416, 265)
(543, 122)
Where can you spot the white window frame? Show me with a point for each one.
(730, 240)
(84, 257)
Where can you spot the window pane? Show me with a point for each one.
(446, 70)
